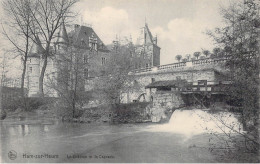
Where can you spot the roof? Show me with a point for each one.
(81, 36)
(36, 49)
(146, 37)
(62, 35)
(149, 34)
(167, 83)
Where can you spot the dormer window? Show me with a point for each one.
(93, 42)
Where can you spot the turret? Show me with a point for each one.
(33, 68)
(62, 39)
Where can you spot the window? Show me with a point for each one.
(85, 58)
(30, 69)
(147, 65)
(93, 42)
(153, 80)
(86, 73)
(30, 60)
(103, 61)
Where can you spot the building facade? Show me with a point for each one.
(84, 45)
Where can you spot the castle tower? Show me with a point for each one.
(147, 50)
(33, 68)
(61, 47)
(62, 40)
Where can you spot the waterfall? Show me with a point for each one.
(197, 121)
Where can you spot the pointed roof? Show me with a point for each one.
(82, 35)
(149, 37)
(36, 48)
(62, 35)
(145, 37)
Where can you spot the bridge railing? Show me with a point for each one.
(181, 64)
(171, 66)
(210, 86)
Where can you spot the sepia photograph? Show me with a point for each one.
(129, 81)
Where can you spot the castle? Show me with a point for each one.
(94, 56)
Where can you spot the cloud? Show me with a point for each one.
(109, 22)
(187, 35)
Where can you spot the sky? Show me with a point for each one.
(179, 25)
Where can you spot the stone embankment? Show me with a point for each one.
(164, 103)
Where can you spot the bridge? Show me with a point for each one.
(212, 73)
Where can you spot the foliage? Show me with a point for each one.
(117, 79)
(196, 54)
(69, 79)
(239, 41)
(206, 53)
(178, 57)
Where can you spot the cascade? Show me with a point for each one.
(198, 121)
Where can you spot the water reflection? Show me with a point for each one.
(45, 128)
(24, 130)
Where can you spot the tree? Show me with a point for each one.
(69, 80)
(19, 20)
(3, 72)
(48, 16)
(37, 19)
(178, 57)
(184, 60)
(117, 79)
(240, 41)
(206, 53)
(196, 54)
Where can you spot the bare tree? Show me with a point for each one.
(48, 16)
(239, 39)
(3, 71)
(19, 21)
(117, 79)
(69, 80)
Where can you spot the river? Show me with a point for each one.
(181, 140)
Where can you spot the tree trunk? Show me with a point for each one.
(23, 76)
(41, 93)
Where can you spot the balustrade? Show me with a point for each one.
(181, 65)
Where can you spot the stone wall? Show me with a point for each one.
(189, 75)
(164, 103)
